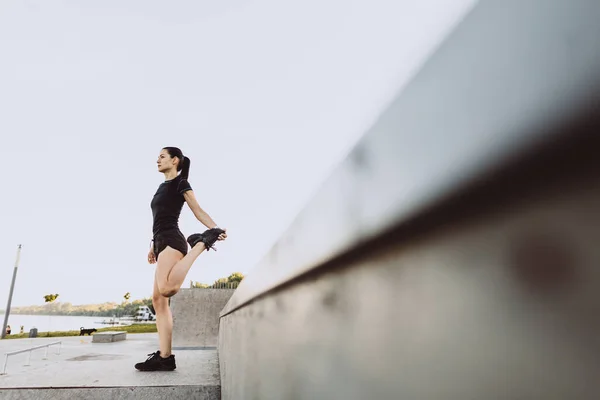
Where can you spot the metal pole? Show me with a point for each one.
(12, 287)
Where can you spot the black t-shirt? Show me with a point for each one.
(167, 204)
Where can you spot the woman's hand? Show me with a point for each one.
(223, 235)
(151, 257)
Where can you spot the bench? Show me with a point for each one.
(109, 337)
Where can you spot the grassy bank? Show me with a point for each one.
(135, 328)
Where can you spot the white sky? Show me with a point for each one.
(264, 96)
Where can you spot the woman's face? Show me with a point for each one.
(165, 162)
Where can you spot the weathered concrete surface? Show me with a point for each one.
(454, 254)
(196, 316)
(109, 337)
(506, 308)
(86, 370)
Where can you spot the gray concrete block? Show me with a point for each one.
(109, 337)
(196, 316)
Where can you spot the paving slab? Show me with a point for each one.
(84, 369)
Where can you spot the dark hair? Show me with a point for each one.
(184, 162)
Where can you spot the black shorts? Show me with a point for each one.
(171, 238)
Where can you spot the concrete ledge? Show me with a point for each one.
(195, 348)
(454, 254)
(497, 302)
(116, 393)
(109, 337)
(492, 92)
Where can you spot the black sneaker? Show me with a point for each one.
(156, 363)
(209, 237)
(195, 239)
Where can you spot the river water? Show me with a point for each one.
(46, 323)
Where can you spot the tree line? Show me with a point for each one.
(231, 282)
(111, 309)
(108, 309)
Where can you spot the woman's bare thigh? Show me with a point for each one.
(165, 263)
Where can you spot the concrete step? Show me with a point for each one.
(115, 393)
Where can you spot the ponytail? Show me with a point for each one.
(184, 162)
(185, 167)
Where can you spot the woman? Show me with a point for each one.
(169, 249)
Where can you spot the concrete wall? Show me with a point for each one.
(196, 316)
(499, 308)
(507, 73)
(454, 254)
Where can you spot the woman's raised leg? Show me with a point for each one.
(172, 268)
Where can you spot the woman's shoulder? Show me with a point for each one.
(183, 185)
(180, 179)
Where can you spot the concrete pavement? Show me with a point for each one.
(104, 370)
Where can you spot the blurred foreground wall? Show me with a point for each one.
(455, 254)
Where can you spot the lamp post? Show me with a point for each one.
(12, 287)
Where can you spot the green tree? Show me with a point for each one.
(220, 283)
(49, 299)
(235, 277)
(231, 282)
(122, 309)
(148, 302)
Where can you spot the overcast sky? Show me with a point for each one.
(264, 96)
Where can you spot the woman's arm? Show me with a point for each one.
(202, 216)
